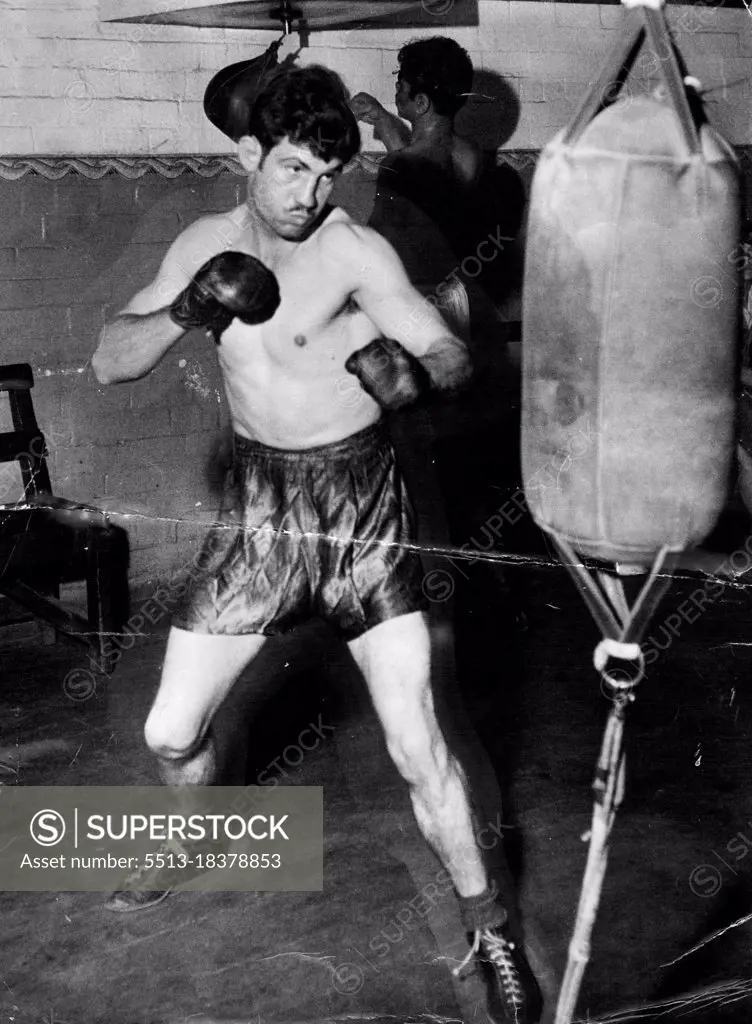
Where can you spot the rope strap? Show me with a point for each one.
(622, 627)
(609, 790)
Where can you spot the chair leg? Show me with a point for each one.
(99, 598)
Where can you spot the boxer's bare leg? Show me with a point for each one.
(395, 658)
(199, 671)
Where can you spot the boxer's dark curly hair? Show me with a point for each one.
(309, 106)
(441, 69)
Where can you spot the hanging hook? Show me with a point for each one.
(287, 14)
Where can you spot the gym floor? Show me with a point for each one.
(524, 646)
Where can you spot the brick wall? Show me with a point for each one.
(71, 84)
(72, 252)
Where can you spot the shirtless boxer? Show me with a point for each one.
(434, 79)
(438, 199)
(323, 521)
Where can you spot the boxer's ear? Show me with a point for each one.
(421, 102)
(250, 153)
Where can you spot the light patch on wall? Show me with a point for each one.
(195, 379)
(59, 373)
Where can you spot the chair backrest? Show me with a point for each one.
(24, 444)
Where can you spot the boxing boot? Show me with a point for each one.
(171, 865)
(513, 993)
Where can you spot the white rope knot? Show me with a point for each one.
(619, 679)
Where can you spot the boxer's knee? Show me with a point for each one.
(420, 756)
(169, 738)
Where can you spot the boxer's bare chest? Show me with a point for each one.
(316, 327)
(310, 336)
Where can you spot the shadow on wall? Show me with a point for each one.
(491, 115)
(489, 118)
(73, 250)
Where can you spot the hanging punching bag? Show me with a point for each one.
(231, 93)
(630, 318)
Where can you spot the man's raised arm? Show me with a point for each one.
(383, 291)
(227, 285)
(389, 129)
(135, 340)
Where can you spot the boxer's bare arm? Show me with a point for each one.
(392, 131)
(389, 128)
(382, 289)
(137, 338)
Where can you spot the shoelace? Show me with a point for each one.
(498, 950)
(456, 971)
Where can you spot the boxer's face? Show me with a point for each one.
(401, 96)
(409, 107)
(288, 186)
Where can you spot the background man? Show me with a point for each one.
(302, 304)
(438, 198)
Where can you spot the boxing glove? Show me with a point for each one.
(231, 284)
(388, 373)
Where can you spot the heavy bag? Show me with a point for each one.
(630, 323)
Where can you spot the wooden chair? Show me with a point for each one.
(46, 541)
